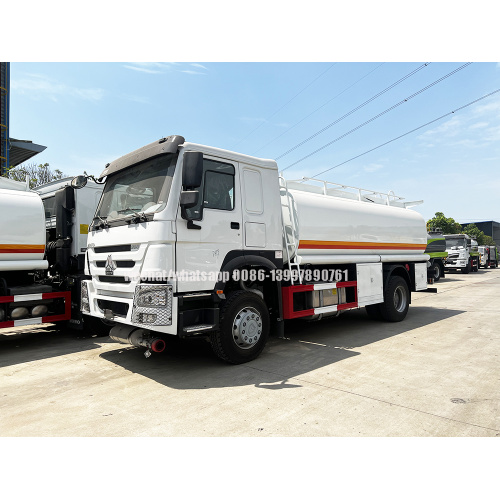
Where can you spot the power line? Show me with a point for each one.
(288, 102)
(322, 106)
(410, 132)
(379, 115)
(353, 110)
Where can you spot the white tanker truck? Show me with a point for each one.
(43, 238)
(191, 240)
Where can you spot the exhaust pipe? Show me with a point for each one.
(138, 337)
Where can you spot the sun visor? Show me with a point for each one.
(166, 145)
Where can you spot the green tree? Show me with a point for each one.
(446, 224)
(38, 174)
(488, 240)
(474, 232)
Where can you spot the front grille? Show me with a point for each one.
(119, 263)
(118, 308)
(113, 279)
(113, 248)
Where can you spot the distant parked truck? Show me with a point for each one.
(463, 253)
(43, 239)
(436, 249)
(488, 255)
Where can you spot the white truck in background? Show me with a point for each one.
(191, 240)
(463, 253)
(43, 239)
(488, 256)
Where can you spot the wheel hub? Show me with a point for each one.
(400, 299)
(247, 327)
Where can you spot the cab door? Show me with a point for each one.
(202, 244)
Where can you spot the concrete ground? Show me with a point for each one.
(435, 374)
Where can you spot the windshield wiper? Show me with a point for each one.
(104, 222)
(138, 216)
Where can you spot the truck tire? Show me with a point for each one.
(243, 328)
(466, 270)
(373, 311)
(475, 265)
(95, 326)
(436, 271)
(396, 300)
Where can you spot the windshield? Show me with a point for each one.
(143, 188)
(455, 242)
(49, 205)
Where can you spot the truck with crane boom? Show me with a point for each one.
(191, 240)
(43, 238)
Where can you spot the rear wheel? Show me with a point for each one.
(244, 328)
(436, 271)
(396, 300)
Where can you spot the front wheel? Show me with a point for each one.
(396, 300)
(436, 271)
(466, 270)
(243, 328)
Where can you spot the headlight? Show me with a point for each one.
(152, 298)
(84, 300)
(152, 305)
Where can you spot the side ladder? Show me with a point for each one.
(290, 246)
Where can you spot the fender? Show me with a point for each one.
(389, 271)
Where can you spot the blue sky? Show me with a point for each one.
(88, 114)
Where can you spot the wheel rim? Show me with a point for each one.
(436, 272)
(247, 327)
(400, 299)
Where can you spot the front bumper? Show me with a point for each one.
(124, 308)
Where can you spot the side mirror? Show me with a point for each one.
(189, 199)
(79, 182)
(192, 169)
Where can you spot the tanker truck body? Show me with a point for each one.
(42, 248)
(190, 240)
(436, 249)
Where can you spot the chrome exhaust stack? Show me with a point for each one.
(138, 337)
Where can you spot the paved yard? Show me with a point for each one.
(435, 374)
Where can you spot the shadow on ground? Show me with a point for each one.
(24, 344)
(309, 346)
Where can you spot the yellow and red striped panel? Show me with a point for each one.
(22, 248)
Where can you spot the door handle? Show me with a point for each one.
(235, 225)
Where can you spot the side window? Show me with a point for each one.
(217, 188)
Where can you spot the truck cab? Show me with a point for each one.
(463, 253)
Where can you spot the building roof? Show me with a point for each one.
(21, 151)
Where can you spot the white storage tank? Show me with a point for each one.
(22, 231)
(337, 226)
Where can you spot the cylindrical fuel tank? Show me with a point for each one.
(22, 229)
(330, 226)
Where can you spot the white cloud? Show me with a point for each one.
(41, 86)
(164, 67)
(196, 65)
(143, 70)
(478, 125)
(373, 167)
